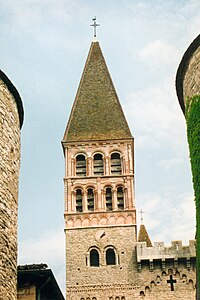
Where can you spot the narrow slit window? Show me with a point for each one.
(94, 258)
(110, 257)
(108, 198)
(79, 201)
(98, 164)
(120, 198)
(90, 199)
(80, 165)
(116, 167)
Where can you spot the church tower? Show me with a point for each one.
(100, 214)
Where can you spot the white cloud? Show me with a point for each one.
(157, 116)
(169, 216)
(48, 249)
(169, 163)
(158, 52)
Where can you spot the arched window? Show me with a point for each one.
(90, 199)
(79, 202)
(120, 198)
(110, 257)
(80, 165)
(108, 198)
(94, 258)
(98, 164)
(116, 167)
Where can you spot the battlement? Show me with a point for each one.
(160, 253)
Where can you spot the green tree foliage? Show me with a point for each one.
(193, 131)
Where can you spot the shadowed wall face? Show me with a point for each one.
(9, 173)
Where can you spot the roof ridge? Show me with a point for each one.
(77, 93)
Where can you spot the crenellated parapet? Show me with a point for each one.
(163, 255)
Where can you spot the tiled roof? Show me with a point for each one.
(143, 236)
(42, 278)
(96, 113)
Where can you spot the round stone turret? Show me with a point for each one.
(11, 119)
(188, 91)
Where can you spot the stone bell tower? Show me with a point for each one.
(100, 214)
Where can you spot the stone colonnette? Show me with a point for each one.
(11, 119)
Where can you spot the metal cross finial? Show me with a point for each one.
(141, 212)
(95, 26)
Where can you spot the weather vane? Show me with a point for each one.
(141, 212)
(95, 26)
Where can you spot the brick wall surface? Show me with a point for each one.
(9, 172)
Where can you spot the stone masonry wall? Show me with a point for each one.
(94, 280)
(191, 82)
(123, 281)
(155, 283)
(9, 173)
(28, 293)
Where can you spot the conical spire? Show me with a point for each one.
(143, 236)
(96, 113)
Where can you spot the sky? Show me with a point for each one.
(43, 49)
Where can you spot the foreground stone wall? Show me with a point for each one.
(9, 173)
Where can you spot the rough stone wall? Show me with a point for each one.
(28, 293)
(191, 84)
(155, 284)
(146, 285)
(84, 280)
(9, 173)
